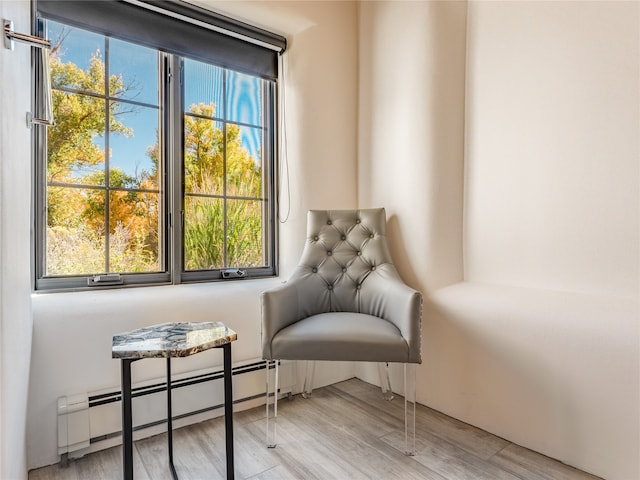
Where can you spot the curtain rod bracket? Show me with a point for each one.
(10, 37)
(31, 121)
(7, 26)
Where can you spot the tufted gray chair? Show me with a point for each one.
(344, 301)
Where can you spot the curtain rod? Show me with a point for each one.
(10, 36)
(43, 44)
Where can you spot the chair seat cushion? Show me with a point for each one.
(342, 336)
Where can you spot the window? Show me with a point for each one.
(161, 165)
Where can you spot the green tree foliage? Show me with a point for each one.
(80, 118)
(75, 215)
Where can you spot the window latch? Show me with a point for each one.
(234, 273)
(107, 279)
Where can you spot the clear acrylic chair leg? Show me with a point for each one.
(307, 387)
(385, 383)
(410, 408)
(272, 368)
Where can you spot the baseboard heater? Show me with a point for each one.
(91, 422)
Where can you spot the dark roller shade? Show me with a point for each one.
(137, 24)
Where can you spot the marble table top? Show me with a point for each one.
(171, 340)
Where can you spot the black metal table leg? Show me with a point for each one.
(127, 421)
(170, 422)
(228, 410)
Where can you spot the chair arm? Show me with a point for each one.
(388, 297)
(279, 309)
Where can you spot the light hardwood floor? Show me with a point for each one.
(344, 431)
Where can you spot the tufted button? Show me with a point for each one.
(328, 222)
(373, 267)
(358, 220)
(358, 253)
(330, 287)
(314, 270)
(343, 237)
(371, 236)
(344, 269)
(329, 252)
(359, 286)
(316, 238)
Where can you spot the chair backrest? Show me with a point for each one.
(344, 252)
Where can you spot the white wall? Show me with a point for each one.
(15, 205)
(411, 125)
(556, 372)
(552, 145)
(552, 207)
(72, 332)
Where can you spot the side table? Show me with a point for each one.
(170, 340)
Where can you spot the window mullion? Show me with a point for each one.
(174, 149)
